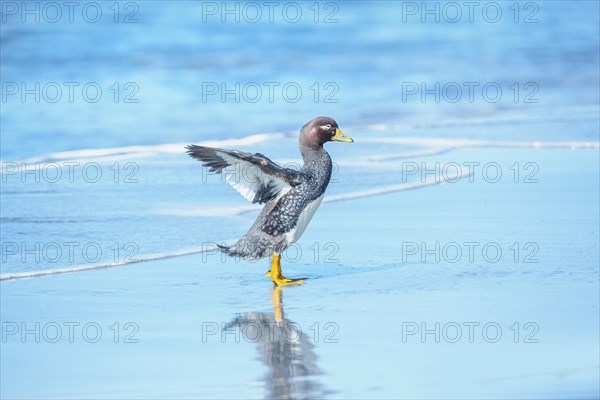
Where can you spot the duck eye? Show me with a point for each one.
(327, 127)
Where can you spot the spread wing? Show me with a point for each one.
(256, 177)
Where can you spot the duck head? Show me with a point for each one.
(320, 131)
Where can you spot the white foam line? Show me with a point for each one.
(137, 151)
(484, 121)
(394, 156)
(87, 267)
(241, 210)
(177, 148)
(400, 187)
(415, 154)
(466, 143)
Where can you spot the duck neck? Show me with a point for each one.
(317, 163)
(310, 153)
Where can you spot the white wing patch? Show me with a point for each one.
(248, 179)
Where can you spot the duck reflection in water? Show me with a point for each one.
(284, 349)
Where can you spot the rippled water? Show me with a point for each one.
(370, 58)
(100, 179)
(164, 79)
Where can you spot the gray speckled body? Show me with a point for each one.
(283, 219)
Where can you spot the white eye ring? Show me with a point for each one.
(327, 127)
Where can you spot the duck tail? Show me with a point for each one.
(246, 248)
(235, 251)
(226, 249)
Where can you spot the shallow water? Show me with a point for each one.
(88, 185)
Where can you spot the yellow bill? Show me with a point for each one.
(340, 137)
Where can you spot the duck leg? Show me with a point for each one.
(276, 276)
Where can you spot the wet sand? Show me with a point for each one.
(402, 301)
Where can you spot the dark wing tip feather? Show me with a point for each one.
(192, 148)
(208, 156)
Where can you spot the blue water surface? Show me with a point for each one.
(358, 62)
(514, 84)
